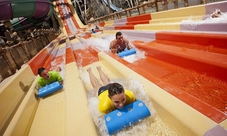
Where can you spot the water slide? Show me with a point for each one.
(183, 74)
(112, 6)
(35, 12)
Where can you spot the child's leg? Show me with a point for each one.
(103, 76)
(94, 81)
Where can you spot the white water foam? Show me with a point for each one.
(221, 19)
(139, 128)
(103, 44)
(152, 125)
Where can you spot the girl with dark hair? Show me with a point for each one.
(111, 95)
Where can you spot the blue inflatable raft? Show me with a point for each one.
(125, 117)
(126, 53)
(48, 89)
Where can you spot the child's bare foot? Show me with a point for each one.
(98, 67)
(216, 14)
(89, 69)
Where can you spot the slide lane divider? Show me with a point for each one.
(201, 61)
(126, 27)
(140, 17)
(158, 96)
(208, 110)
(205, 39)
(77, 121)
(215, 61)
(69, 53)
(131, 21)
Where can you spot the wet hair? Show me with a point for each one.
(40, 70)
(118, 34)
(115, 88)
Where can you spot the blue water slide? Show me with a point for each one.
(112, 6)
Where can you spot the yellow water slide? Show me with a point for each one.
(67, 112)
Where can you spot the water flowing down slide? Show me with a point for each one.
(175, 78)
(67, 14)
(169, 58)
(36, 10)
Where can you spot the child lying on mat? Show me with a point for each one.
(119, 44)
(111, 95)
(48, 77)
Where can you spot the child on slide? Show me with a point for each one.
(119, 44)
(111, 95)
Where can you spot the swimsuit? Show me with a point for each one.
(103, 88)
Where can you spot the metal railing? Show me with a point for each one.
(149, 7)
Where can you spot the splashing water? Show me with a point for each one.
(222, 18)
(152, 125)
(54, 64)
(99, 43)
(103, 44)
(132, 58)
(79, 61)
